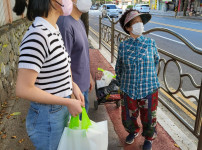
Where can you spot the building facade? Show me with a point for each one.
(169, 5)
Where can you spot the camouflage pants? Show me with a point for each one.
(147, 108)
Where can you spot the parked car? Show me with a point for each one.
(142, 8)
(93, 7)
(120, 10)
(100, 8)
(110, 10)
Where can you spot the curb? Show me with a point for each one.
(179, 17)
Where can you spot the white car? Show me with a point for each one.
(100, 8)
(93, 7)
(142, 8)
(120, 10)
(110, 10)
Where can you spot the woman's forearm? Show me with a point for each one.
(26, 89)
(35, 94)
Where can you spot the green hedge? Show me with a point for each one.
(130, 6)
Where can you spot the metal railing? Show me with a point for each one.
(7, 15)
(111, 37)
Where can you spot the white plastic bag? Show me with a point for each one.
(106, 78)
(93, 138)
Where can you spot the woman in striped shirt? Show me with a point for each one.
(44, 75)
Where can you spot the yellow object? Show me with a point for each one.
(15, 113)
(5, 45)
(176, 145)
(155, 4)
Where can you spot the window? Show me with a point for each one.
(111, 7)
(145, 5)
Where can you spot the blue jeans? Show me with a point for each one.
(85, 94)
(45, 125)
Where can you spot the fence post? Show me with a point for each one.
(100, 36)
(112, 40)
(198, 120)
(198, 113)
(200, 140)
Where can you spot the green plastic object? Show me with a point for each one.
(100, 69)
(75, 123)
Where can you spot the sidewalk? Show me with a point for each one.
(162, 142)
(172, 14)
(15, 126)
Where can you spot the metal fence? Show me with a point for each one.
(6, 14)
(110, 38)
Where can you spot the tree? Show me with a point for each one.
(101, 1)
(85, 19)
(185, 7)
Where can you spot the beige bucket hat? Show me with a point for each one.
(145, 17)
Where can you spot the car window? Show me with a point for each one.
(111, 7)
(145, 5)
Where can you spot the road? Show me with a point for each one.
(191, 30)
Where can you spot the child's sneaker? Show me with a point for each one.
(147, 145)
(130, 138)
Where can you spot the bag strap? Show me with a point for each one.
(85, 121)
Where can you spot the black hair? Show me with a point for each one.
(122, 20)
(35, 8)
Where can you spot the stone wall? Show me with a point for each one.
(10, 39)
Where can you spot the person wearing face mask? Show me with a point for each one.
(44, 74)
(76, 43)
(136, 72)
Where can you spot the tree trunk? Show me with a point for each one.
(182, 5)
(185, 7)
(85, 19)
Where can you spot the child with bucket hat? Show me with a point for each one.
(136, 72)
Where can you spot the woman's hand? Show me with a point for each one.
(91, 83)
(74, 107)
(78, 95)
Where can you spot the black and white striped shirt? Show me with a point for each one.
(42, 49)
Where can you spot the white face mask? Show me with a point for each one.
(138, 28)
(84, 5)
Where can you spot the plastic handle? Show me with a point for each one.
(74, 122)
(100, 69)
(85, 122)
